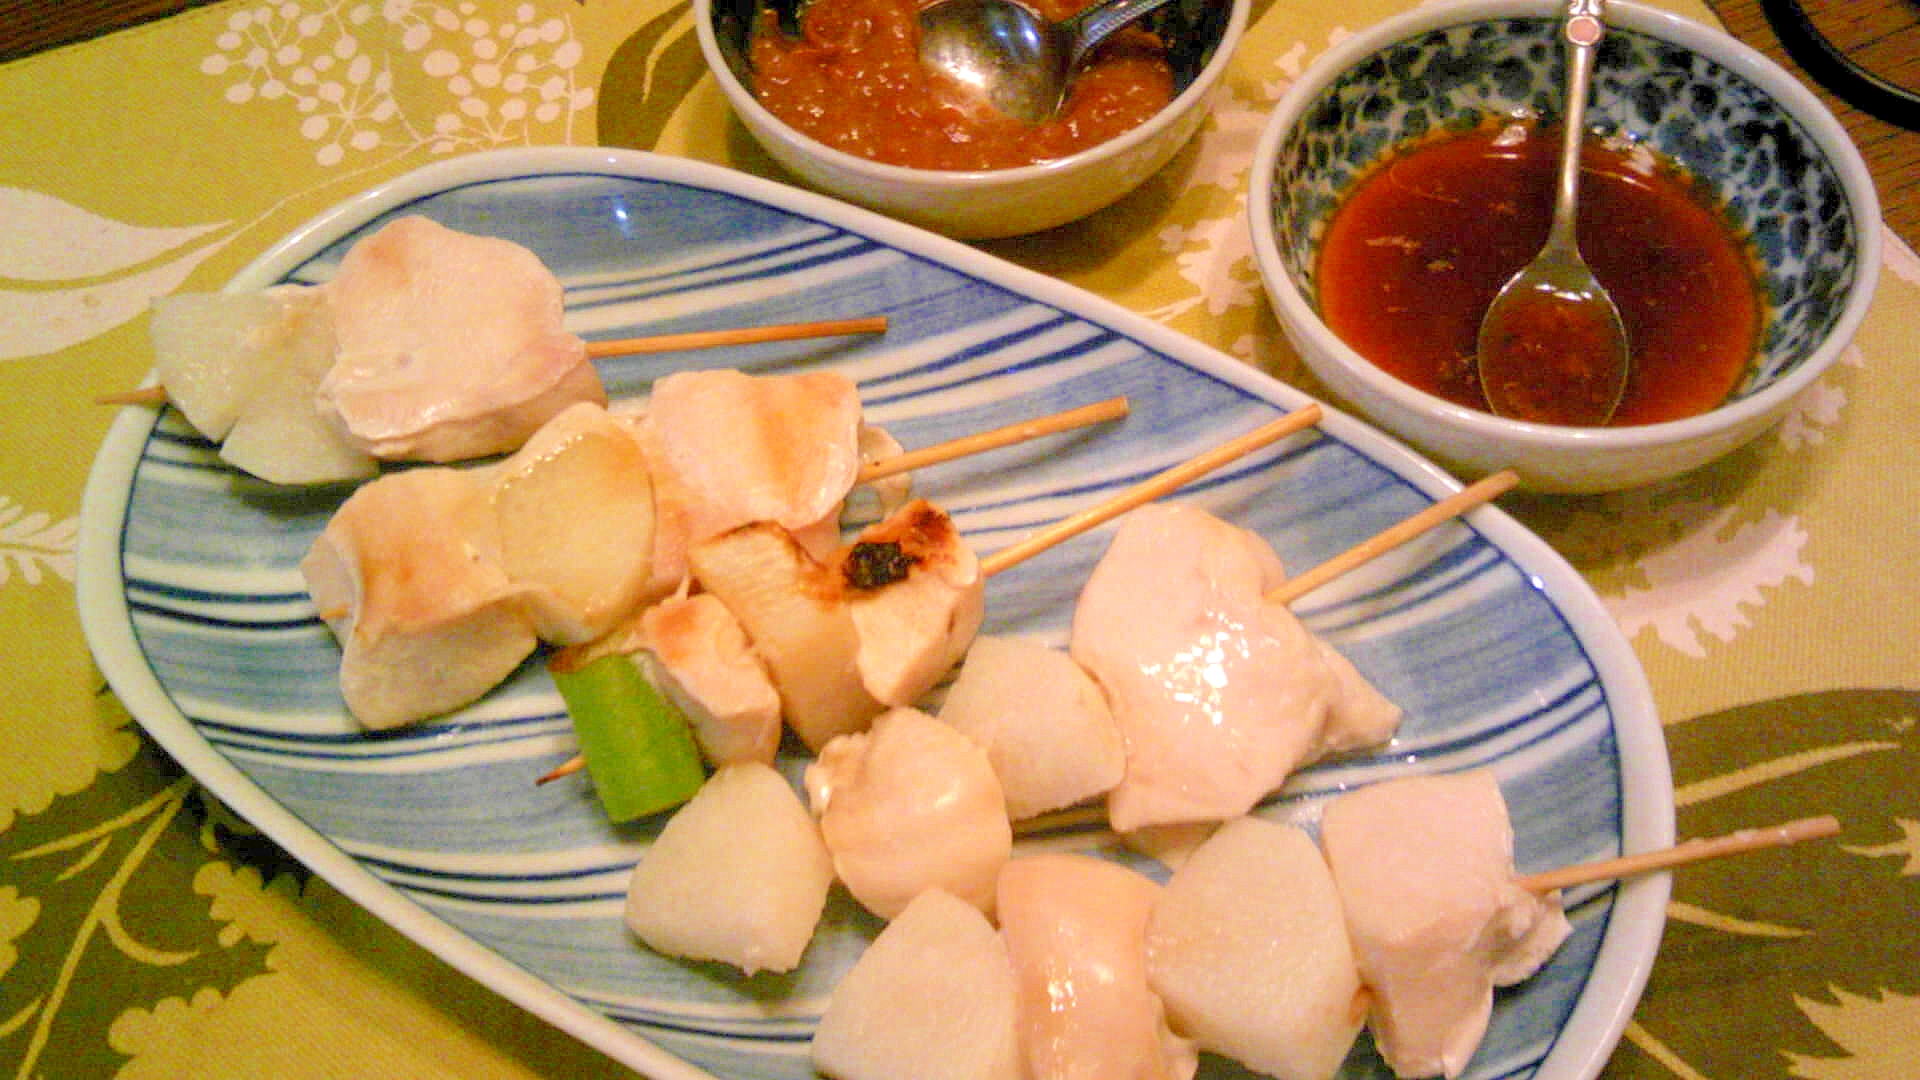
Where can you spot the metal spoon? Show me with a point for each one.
(1020, 61)
(1552, 348)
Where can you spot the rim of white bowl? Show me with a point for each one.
(1723, 49)
(743, 101)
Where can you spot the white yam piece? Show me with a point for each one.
(1076, 931)
(243, 368)
(931, 999)
(795, 614)
(710, 671)
(1042, 720)
(451, 346)
(407, 574)
(1247, 946)
(745, 448)
(909, 806)
(575, 510)
(738, 875)
(916, 594)
(1424, 866)
(1219, 693)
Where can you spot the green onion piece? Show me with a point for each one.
(638, 746)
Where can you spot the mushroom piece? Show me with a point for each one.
(1043, 721)
(1247, 946)
(932, 999)
(738, 875)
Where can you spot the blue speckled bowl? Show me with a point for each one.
(1788, 175)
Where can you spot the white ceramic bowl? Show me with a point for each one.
(1772, 152)
(989, 203)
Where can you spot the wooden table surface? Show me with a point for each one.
(1882, 35)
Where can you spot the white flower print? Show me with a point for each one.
(486, 82)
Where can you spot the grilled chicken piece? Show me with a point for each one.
(909, 806)
(1219, 693)
(916, 594)
(1424, 866)
(709, 669)
(729, 449)
(450, 346)
(694, 651)
(795, 614)
(1076, 930)
(409, 577)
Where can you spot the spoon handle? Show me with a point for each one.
(1584, 28)
(1097, 23)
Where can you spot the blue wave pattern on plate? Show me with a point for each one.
(447, 813)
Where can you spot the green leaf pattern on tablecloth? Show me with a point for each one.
(1786, 978)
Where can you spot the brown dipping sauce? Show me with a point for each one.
(853, 80)
(1415, 254)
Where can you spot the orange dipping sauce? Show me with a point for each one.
(1415, 254)
(853, 80)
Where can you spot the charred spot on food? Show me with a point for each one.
(875, 564)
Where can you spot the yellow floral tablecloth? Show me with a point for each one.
(145, 931)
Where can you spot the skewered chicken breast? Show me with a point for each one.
(450, 345)
(1076, 930)
(1219, 693)
(909, 806)
(1424, 866)
(916, 594)
(409, 577)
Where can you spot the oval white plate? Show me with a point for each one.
(1498, 651)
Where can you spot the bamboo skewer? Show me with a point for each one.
(1170, 480)
(1690, 851)
(156, 394)
(749, 335)
(151, 394)
(1067, 528)
(1380, 543)
(1023, 431)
